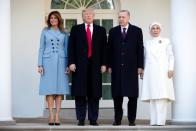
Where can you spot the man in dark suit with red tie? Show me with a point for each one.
(87, 61)
(125, 63)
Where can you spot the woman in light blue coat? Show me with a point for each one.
(52, 65)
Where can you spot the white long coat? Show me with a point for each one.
(159, 60)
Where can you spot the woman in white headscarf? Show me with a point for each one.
(158, 72)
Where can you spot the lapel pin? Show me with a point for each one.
(160, 41)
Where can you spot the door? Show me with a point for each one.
(105, 15)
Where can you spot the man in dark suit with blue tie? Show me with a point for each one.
(125, 63)
(87, 61)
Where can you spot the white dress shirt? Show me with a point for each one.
(127, 26)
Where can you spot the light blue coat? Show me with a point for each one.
(53, 58)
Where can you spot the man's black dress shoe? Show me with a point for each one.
(94, 123)
(81, 123)
(115, 123)
(131, 124)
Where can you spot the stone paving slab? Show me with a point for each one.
(103, 127)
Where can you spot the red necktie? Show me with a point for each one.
(88, 34)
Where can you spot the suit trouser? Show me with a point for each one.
(82, 102)
(118, 111)
(90, 101)
(158, 111)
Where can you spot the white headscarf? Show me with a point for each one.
(154, 23)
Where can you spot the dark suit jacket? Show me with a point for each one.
(125, 57)
(77, 54)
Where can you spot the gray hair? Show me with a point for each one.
(125, 11)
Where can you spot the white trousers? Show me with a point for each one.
(158, 111)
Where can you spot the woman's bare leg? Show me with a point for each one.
(50, 101)
(58, 100)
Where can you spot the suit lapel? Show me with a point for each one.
(94, 33)
(119, 32)
(128, 31)
(83, 34)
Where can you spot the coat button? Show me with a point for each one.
(51, 40)
(52, 43)
(52, 47)
(57, 39)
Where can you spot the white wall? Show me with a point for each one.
(27, 22)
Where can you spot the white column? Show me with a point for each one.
(183, 20)
(5, 62)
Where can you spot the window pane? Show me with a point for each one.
(96, 21)
(106, 78)
(92, 2)
(69, 97)
(106, 92)
(72, 4)
(57, 4)
(69, 23)
(106, 86)
(107, 24)
(77, 4)
(107, 4)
